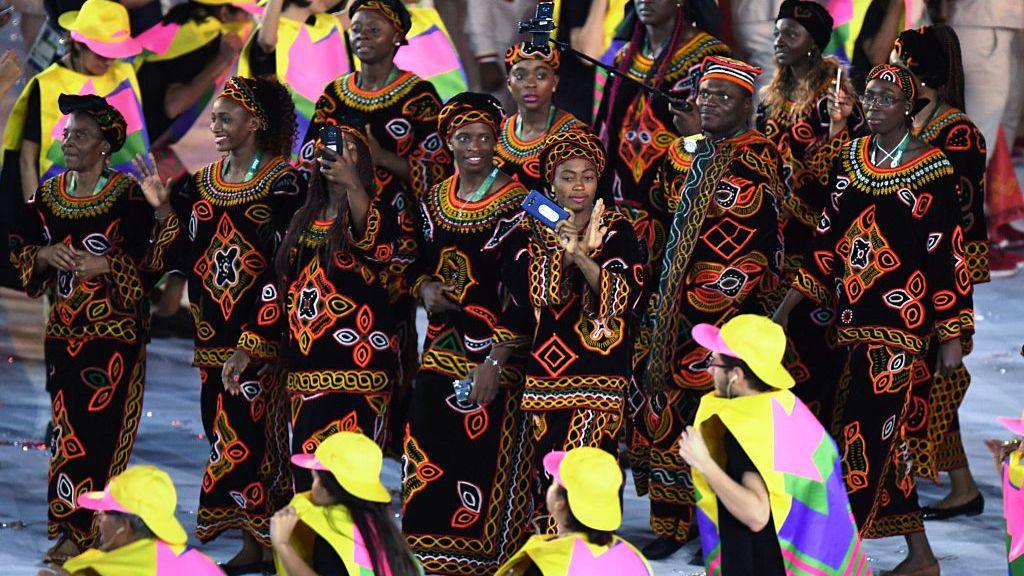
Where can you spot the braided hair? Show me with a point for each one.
(661, 63)
(279, 134)
(953, 91)
(786, 87)
(317, 199)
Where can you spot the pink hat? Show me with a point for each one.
(552, 460)
(710, 337)
(1015, 425)
(103, 26)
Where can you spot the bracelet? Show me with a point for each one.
(493, 362)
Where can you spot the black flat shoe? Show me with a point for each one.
(662, 547)
(265, 567)
(973, 508)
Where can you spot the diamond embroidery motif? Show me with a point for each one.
(554, 356)
(728, 237)
(230, 266)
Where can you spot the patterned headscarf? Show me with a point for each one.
(392, 10)
(516, 53)
(467, 108)
(923, 54)
(567, 145)
(240, 91)
(812, 16)
(899, 76)
(112, 125)
(736, 71)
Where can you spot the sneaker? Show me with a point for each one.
(1003, 264)
(1007, 237)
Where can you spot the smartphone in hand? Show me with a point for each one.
(332, 141)
(544, 209)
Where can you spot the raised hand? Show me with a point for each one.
(593, 237)
(154, 188)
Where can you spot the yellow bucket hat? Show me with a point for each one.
(146, 492)
(591, 478)
(103, 26)
(354, 460)
(754, 339)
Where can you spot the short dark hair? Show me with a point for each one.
(136, 523)
(753, 380)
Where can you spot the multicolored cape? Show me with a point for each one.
(1013, 511)
(170, 40)
(118, 86)
(571, 555)
(335, 525)
(431, 54)
(146, 557)
(308, 57)
(800, 466)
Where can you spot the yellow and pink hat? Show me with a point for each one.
(146, 492)
(104, 28)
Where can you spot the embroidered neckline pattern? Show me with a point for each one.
(684, 58)
(369, 100)
(469, 217)
(940, 123)
(515, 149)
(217, 191)
(878, 181)
(55, 196)
(787, 113)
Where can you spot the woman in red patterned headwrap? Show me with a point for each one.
(582, 284)
(888, 259)
(238, 209)
(466, 484)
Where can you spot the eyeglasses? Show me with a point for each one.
(878, 101)
(709, 96)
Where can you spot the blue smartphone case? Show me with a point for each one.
(544, 209)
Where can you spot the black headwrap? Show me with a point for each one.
(468, 108)
(112, 124)
(922, 52)
(812, 16)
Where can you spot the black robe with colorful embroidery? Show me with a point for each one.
(95, 337)
(580, 363)
(888, 256)
(340, 352)
(234, 230)
(724, 250)
(402, 117)
(465, 489)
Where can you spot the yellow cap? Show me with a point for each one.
(754, 339)
(354, 460)
(103, 26)
(146, 492)
(591, 478)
